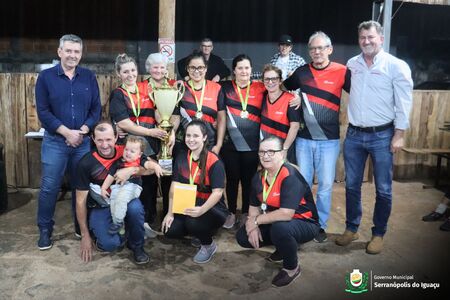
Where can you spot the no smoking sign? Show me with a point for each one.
(167, 48)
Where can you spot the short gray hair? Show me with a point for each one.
(320, 34)
(155, 58)
(366, 25)
(70, 38)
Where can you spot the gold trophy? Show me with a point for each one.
(165, 99)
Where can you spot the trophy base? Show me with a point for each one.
(166, 165)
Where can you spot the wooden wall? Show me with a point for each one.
(18, 116)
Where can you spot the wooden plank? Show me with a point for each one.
(18, 114)
(9, 123)
(33, 124)
(426, 151)
(104, 85)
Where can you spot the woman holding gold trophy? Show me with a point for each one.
(197, 206)
(133, 112)
(203, 100)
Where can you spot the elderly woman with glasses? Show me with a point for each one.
(277, 117)
(281, 213)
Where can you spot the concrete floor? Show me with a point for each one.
(412, 248)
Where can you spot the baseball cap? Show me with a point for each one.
(285, 39)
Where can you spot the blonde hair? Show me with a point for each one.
(121, 59)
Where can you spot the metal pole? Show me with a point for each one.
(387, 17)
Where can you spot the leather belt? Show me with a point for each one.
(372, 129)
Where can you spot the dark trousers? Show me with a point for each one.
(285, 235)
(239, 167)
(148, 197)
(202, 227)
(166, 181)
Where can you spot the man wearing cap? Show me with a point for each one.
(285, 59)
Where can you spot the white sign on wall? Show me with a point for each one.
(167, 48)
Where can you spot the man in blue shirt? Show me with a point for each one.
(68, 106)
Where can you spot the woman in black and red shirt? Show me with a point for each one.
(282, 211)
(202, 100)
(201, 167)
(243, 101)
(132, 111)
(277, 116)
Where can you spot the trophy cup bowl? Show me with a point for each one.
(165, 99)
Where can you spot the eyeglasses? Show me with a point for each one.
(199, 68)
(269, 153)
(320, 48)
(273, 79)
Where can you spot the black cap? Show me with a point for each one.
(285, 40)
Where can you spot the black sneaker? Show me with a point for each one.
(140, 257)
(275, 257)
(321, 237)
(433, 216)
(195, 242)
(45, 239)
(446, 225)
(283, 279)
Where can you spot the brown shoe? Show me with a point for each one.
(375, 245)
(347, 238)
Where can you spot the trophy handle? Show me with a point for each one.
(181, 88)
(150, 94)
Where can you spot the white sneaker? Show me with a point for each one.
(205, 253)
(149, 232)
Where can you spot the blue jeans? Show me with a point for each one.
(319, 157)
(100, 220)
(357, 146)
(56, 158)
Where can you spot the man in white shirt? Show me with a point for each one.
(378, 113)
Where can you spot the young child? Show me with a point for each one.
(120, 195)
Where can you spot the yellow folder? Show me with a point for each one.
(183, 197)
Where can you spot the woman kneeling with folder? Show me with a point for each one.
(197, 206)
(282, 211)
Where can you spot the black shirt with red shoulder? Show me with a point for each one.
(120, 108)
(290, 190)
(93, 168)
(214, 179)
(276, 117)
(243, 133)
(121, 163)
(323, 90)
(213, 102)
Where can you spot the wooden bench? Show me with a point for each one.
(439, 152)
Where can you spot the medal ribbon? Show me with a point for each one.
(244, 102)
(192, 177)
(267, 192)
(133, 106)
(197, 102)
